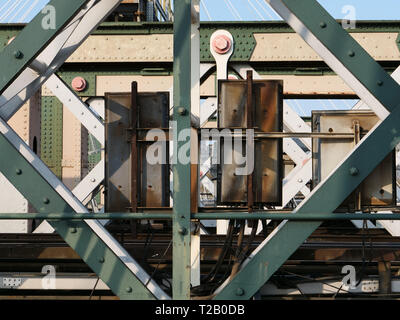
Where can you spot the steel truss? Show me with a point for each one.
(75, 21)
(28, 67)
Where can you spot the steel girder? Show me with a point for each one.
(373, 85)
(29, 174)
(181, 171)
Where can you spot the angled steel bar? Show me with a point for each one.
(142, 286)
(20, 52)
(321, 32)
(77, 107)
(371, 83)
(182, 171)
(54, 55)
(288, 236)
(88, 238)
(84, 188)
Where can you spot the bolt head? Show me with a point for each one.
(73, 230)
(380, 83)
(353, 171)
(18, 171)
(18, 54)
(182, 111)
(239, 292)
(79, 84)
(182, 231)
(101, 260)
(352, 53)
(221, 44)
(128, 289)
(46, 200)
(322, 24)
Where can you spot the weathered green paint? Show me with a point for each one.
(181, 172)
(277, 248)
(76, 233)
(51, 137)
(29, 42)
(90, 78)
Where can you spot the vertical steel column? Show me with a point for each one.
(181, 171)
(194, 154)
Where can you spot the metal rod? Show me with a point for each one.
(204, 216)
(249, 110)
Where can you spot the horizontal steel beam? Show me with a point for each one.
(204, 216)
(276, 42)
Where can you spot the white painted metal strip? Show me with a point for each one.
(77, 107)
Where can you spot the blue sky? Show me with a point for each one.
(25, 10)
(259, 10)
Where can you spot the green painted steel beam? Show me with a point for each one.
(37, 34)
(181, 171)
(51, 134)
(90, 247)
(348, 51)
(202, 216)
(289, 235)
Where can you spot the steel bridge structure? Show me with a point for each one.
(311, 52)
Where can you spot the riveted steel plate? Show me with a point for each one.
(153, 179)
(291, 47)
(118, 152)
(153, 113)
(153, 110)
(378, 189)
(268, 169)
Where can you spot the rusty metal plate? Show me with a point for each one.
(152, 180)
(118, 152)
(378, 189)
(153, 112)
(268, 162)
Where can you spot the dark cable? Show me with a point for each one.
(95, 285)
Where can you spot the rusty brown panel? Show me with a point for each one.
(379, 188)
(153, 109)
(153, 112)
(118, 152)
(194, 206)
(232, 104)
(267, 99)
(268, 153)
